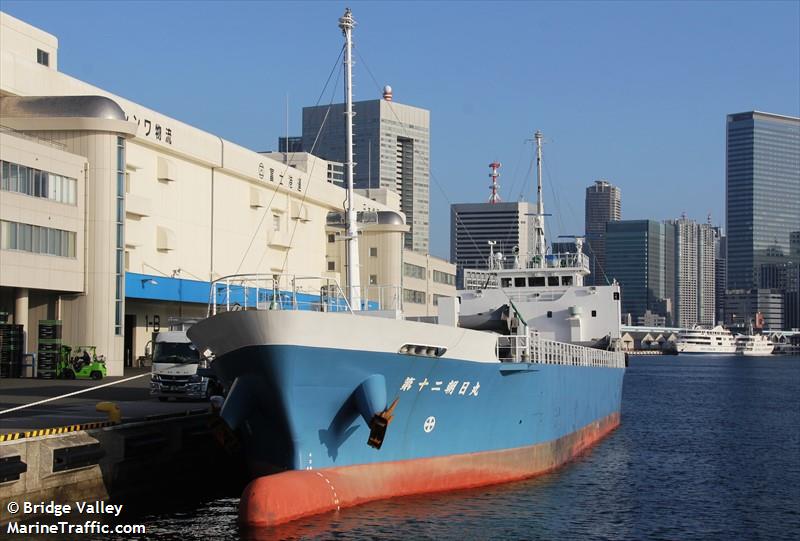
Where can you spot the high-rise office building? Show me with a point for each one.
(637, 252)
(474, 225)
(603, 205)
(762, 183)
(392, 150)
(741, 306)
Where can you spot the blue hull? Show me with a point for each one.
(296, 408)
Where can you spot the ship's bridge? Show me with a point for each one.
(556, 270)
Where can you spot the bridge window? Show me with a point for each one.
(552, 280)
(536, 281)
(549, 313)
(519, 282)
(594, 313)
(566, 280)
(505, 282)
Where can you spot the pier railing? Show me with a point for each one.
(531, 348)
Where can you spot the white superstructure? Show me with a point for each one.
(753, 345)
(545, 291)
(704, 340)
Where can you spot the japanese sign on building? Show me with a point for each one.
(293, 183)
(153, 129)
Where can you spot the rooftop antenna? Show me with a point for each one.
(346, 23)
(495, 197)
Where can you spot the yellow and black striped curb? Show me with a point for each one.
(55, 430)
(97, 424)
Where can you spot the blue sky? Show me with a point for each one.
(632, 92)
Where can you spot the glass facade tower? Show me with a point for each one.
(637, 252)
(762, 188)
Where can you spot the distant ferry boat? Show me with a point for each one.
(753, 345)
(708, 341)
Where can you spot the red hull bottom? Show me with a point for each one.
(283, 497)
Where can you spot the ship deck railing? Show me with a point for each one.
(481, 277)
(532, 348)
(261, 291)
(543, 295)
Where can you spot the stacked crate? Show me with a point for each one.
(11, 350)
(49, 348)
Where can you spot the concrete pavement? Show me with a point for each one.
(132, 397)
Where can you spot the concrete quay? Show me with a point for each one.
(132, 397)
(65, 451)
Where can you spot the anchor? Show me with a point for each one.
(378, 424)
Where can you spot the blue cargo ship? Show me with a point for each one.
(352, 408)
(335, 406)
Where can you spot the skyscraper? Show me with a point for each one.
(694, 273)
(637, 252)
(762, 183)
(474, 225)
(762, 205)
(706, 275)
(392, 150)
(603, 205)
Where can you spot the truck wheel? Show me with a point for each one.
(68, 374)
(96, 374)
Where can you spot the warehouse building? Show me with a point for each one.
(115, 218)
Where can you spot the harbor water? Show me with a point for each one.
(709, 448)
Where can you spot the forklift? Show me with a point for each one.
(83, 364)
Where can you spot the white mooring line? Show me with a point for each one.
(87, 390)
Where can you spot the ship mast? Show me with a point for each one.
(540, 249)
(346, 23)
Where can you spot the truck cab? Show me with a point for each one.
(175, 368)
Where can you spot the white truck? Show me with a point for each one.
(175, 366)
